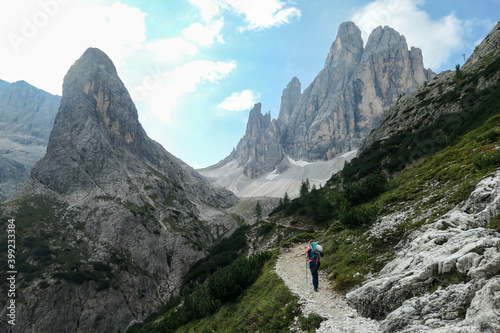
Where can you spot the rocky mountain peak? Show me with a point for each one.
(385, 38)
(26, 119)
(104, 180)
(257, 121)
(347, 45)
(94, 75)
(345, 101)
(345, 53)
(97, 144)
(96, 128)
(289, 98)
(260, 141)
(348, 97)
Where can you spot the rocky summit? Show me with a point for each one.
(345, 101)
(348, 97)
(110, 221)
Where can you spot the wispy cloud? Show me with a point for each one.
(263, 14)
(258, 14)
(38, 28)
(170, 50)
(438, 38)
(208, 8)
(240, 101)
(167, 89)
(203, 34)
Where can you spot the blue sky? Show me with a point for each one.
(195, 68)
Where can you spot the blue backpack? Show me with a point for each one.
(315, 253)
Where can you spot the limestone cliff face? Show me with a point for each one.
(348, 97)
(259, 150)
(113, 209)
(289, 99)
(342, 105)
(428, 102)
(26, 119)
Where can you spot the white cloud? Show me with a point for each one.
(47, 36)
(171, 49)
(438, 39)
(204, 34)
(42, 39)
(263, 14)
(208, 8)
(164, 92)
(240, 101)
(258, 14)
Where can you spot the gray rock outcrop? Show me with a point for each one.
(289, 99)
(487, 45)
(119, 219)
(457, 244)
(26, 119)
(259, 151)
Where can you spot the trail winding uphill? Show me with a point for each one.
(341, 318)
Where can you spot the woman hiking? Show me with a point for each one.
(314, 254)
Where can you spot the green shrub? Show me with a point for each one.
(220, 255)
(200, 301)
(311, 323)
(101, 267)
(265, 229)
(354, 216)
(494, 223)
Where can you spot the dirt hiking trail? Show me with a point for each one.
(341, 318)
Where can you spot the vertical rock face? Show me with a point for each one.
(259, 151)
(289, 99)
(344, 102)
(403, 116)
(95, 130)
(317, 123)
(113, 210)
(348, 97)
(26, 119)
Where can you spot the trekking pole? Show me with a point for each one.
(306, 270)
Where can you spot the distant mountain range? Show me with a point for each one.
(340, 107)
(26, 118)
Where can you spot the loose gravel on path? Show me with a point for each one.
(341, 318)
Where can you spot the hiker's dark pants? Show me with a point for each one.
(314, 266)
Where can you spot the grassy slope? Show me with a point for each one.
(424, 191)
(267, 306)
(465, 152)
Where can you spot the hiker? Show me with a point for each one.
(314, 254)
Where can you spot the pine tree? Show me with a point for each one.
(258, 212)
(304, 191)
(286, 200)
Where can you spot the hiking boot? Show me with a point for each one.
(316, 289)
